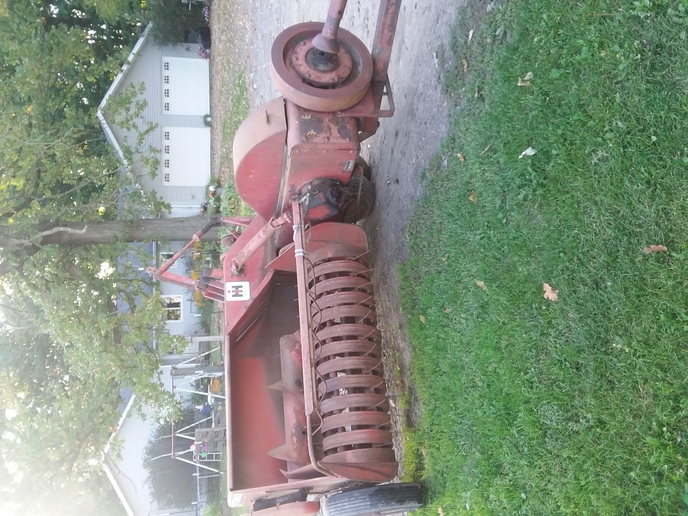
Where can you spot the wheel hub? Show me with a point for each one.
(321, 69)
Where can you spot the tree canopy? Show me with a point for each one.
(77, 324)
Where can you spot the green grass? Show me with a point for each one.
(238, 108)
(578, 406)
(231, 203)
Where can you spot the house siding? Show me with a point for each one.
(146, 69)
(189, 323)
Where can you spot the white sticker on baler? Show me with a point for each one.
(237, 291)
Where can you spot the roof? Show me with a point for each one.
(113, 87)
(111, 470)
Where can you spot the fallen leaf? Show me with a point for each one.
(470, 35)
(464, 62)
(526, 80)
(550, 293)
(440, 511)
(603, 53)
(481, 285)
(528, 152)
(473, 197)
(477, 92)
(422, 319)
(461, 158)
(447, 310)
(444, 258)
(486, 149)
(654, 249)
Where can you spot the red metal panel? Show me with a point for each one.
(259, 157)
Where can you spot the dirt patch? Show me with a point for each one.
(243, 31)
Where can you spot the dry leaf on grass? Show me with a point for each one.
(464, 62)
(461, 158)
(528, 152)
(550, 293)
(473, 197)
(422, 319)
(526, 80)
(440, 511)
(447, 310)
(654, 249)
(481, 284)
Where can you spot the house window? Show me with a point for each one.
(167, 106)
(166, 255)
(166, 93)
(166, 177)
(167, 163)
(167, 135)
(166, 65)
(166, 79)
(167, 149)
(173, 307)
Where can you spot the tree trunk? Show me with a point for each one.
(103, 232)
(110, 231)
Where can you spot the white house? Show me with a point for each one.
(175, 84)
(177, 95)
(176, 90)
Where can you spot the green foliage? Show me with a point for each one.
(173, 20)
(78, 324)
(213, 509)
(578, 406)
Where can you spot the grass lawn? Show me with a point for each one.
(231, 203)
(579, 405)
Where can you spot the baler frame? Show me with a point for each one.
(301, 245)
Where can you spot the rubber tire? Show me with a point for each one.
(365, 168)
(381, 499)
(362, 202)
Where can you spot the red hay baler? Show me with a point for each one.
(307, 423)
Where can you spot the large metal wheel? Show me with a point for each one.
(382, 499)
(317, 80)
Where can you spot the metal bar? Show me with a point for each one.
(202, 393)
(383, 41)
(304, 309)
(161, 272)
(214, 221)
(237, 221)
(307, 362)
(327, 39)
(201, 355)
(199, 465)
(207, 476)
(258, 241)
(194, 424)
(387, 18)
